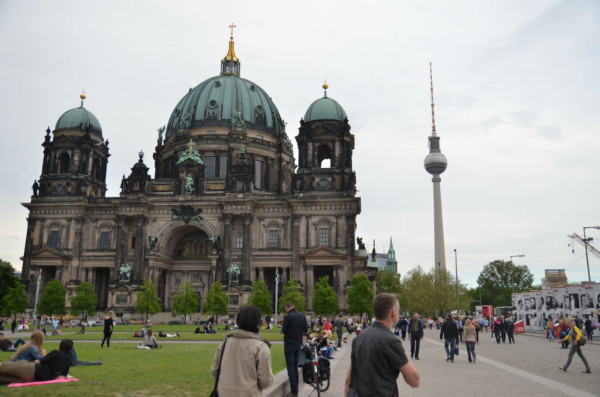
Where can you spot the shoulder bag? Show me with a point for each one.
(215, 393)
(582, 341)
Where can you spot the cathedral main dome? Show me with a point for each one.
(226, 100)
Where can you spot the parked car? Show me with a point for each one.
(175, 322)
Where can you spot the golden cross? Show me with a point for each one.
(190, 145)
(232, 26)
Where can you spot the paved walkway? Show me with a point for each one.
(527, 368)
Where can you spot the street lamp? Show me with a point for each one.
(456, 270)
(512, 273)
(587, 241)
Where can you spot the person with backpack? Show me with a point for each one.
(577, 339)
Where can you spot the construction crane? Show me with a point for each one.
(581, 241)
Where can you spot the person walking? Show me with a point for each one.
(550, 329)
(477, 328)
(108, 329)
(575, 336)
(589, 329)
(496, 327)
(378, 357)
(470, 339)
(415, 332)
(243, 360)
(403, 326)
(459, 325)
(294, 325)
(509, 325)
(449, 333)
(339, 329)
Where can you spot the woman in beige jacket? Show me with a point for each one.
(246, 368)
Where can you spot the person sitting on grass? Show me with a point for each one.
(77, 363)
(326, 347)
(150, 340)
(54, 365)
(163, 335)
(209, 329)
(7, 346)
(199, 331)
(32, 350)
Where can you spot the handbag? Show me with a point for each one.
(215, 393)
(582, 341)
(456, 351)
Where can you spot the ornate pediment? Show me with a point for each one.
(323, 253)
(49, 253)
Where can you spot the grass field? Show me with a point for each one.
(177, 369)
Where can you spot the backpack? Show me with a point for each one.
(307, 373)
(324, 368)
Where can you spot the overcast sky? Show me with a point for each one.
(516, 92)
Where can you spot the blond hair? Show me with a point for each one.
(37, 339)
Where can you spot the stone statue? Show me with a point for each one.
(124, 273)
(215, 239)
(36, 188)
(161, 130)
(234, 272)
(189, 184)
(153, 242)
(361, 245)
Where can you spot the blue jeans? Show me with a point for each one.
(450, 353)
(415, 342)
(291, 362)
(327, 352)
(15, 346)
(470, 350)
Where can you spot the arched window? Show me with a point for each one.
(324, 156)
(64, 162)
(194, 245)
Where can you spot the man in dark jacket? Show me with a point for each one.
(294, 325)
(339, 329)
(449, 332)
(415, 331)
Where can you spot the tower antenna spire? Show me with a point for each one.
(433, 131)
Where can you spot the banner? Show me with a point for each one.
(519, 327)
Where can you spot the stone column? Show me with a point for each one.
(26, 256)
(350, 233)
(247, 250)
(140, 245)
(261, 272)
(121, 247)
(309, 288)
(77, 246)
(226, 248)
(295, 240)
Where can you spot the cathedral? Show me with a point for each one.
(227, 202)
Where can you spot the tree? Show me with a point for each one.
(84, 301)
(147, 301)
(186, 302)
(8, 280)
(325, 299)
(216, 301)
(261, 297)
(291, 293)
(52, 300)
(499, 279)
(360, 295)
(388, 281)
(16, 300)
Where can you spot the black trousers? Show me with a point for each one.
(511, 337)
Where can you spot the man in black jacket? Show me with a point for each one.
(339, 329)
(294, 325)
(449, 332)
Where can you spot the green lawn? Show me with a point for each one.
(175, 370)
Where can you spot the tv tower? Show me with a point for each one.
(435, 164)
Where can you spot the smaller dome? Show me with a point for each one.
(79, 119)
(325, 109)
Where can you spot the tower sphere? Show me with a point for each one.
(435, 163)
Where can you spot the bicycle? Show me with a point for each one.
(320, 372)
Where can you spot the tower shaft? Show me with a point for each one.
(438, 225)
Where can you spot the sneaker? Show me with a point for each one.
(99, 361)
(416, 358)
(448, 359)
(474, 359)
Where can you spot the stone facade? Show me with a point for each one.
(222, 193)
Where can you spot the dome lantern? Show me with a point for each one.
(230, 64)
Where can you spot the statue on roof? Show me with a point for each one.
(190, 154)
(36, 188)
(124, 273)
(361, 245)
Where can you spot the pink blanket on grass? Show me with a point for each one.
(45, 382)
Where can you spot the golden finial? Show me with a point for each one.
(325, 86)
(232, 26)
(82, 96)
(190, 146)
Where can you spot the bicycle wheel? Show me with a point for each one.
(317, 381)
(323, 384)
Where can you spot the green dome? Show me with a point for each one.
(79, 119)
(223, 101)
(325, 109)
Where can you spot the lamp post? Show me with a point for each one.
(456, 270)
(587, 241)
(511, 274)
